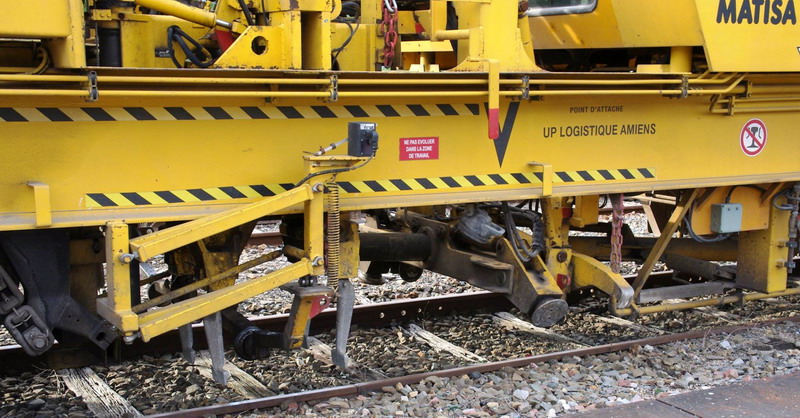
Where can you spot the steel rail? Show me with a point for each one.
(372, 386)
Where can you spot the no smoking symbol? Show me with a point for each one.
(753, 138)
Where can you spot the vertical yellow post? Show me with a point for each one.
(683, 206)
(116, 308)
(438, 17)
(41, 203)
(314, 231)
(680, 59)
(762, 254)
(371, 11)
(559, 256)
(494, 99)
(316, 28)
(292, 39)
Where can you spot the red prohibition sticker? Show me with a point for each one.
(425, 148)
(753, 138)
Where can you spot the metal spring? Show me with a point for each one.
(334, 221)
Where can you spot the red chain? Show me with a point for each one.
(617, 220)
(390, 36)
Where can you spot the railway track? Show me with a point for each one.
(423, 326)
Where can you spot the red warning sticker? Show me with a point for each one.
(753, 138)
(426, 148)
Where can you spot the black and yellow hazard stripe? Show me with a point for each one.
(111, 200)
(99, 114)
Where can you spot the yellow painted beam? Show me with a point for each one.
(666, 235)
(591, 272)
(116, 308)
(168, 318)
(150, 245)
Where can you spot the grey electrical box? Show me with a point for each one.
(726, 217)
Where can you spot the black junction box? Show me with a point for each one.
(362, 139)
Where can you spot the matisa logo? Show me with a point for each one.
(774, 12)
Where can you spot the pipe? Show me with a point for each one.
(641, 310)
(182, 11)
(173, 93)
(599, 247)
(208, 80)
(451, 35)
(49, 92)
(43, 78)
(394, 246)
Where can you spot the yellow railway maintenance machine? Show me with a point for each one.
(479, 133)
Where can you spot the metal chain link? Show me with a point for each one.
(390, 35)
(617, 220)
(21, 320)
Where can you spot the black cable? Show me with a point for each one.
(524, 251)
(247, 15)
(730, 191)
(337, 51)
(176, 34)
(351, 11)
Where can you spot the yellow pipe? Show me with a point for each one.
(203, 80)
(593, 92)
(180, 10)
(680, 59)
(395, 81)
(413, 93)
(604, 82)
(739, 109)
(33, 92)
(447, 35)
(173, 93)
(706, 302)
(53, 78)
(185, 290)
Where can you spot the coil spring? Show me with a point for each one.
(334, 221)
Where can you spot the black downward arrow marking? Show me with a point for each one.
(501, 143)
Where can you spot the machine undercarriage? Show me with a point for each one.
(477, 136)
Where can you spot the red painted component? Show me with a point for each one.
(563, 280)
(418, 28)
(494, 123)
(319, 304)
(566, 213)
(224, 39)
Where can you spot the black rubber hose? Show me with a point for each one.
(247, 15)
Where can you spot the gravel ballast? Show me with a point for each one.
(576, 384)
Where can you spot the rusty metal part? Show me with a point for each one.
(266, 238)
(367, 387)
(13, 358)
(394, 246)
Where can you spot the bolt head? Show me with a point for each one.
(39, 341)
(317, 261)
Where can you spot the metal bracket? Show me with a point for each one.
(731, 105)
(334, 88)
(526, 87)
(92, 87)
(547, 177)
(684, 87)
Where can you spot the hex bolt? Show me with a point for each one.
(317, 261)
(318, 187)
(561, 256)
(39, 341)
(126, 258)
(130, 338)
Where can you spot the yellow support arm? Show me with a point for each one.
(148, 246)
(168, 318)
